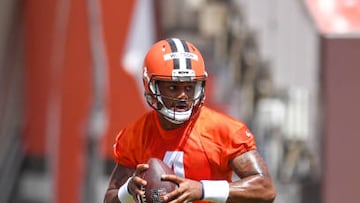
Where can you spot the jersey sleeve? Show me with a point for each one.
(237, 141)
(224, 143)
(124, 149)
(242, 140)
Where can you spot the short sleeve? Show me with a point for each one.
(242, 140)
(123, 149)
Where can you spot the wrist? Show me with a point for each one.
(123, 193)
(215, 190)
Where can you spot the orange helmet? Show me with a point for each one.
(174, 60)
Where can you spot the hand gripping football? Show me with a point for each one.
(156, 188)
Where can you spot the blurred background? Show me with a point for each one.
(70, 79)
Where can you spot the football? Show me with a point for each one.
(156, 188)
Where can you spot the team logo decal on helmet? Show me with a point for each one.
(174, 60)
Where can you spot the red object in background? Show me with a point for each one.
(125, 102)
(38, 39)
(335, 16)
(57, 92)
(58, 82)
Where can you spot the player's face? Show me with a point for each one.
(177, 96)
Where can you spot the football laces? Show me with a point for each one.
(142, 198)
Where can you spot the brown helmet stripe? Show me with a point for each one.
(174, 49)
(181, 48)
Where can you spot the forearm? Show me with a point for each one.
(111, 196)
(255, 184)
(253, 189)
(118, 180)
(119, 195)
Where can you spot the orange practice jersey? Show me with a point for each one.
(200, 150)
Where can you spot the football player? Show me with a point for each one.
(202, 146)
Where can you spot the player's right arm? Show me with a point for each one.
(119, 177)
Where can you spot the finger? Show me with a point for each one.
(172, 178)
(140, 191)
(136, 184)
(176, 196)
(173, 195)
(138, 181)
(141, 168)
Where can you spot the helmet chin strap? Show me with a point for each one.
(176, 117)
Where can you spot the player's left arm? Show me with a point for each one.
(255, 184)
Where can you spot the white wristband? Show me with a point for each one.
(215, 190)
(123, 193)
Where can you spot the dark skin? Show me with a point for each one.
(254, 186)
